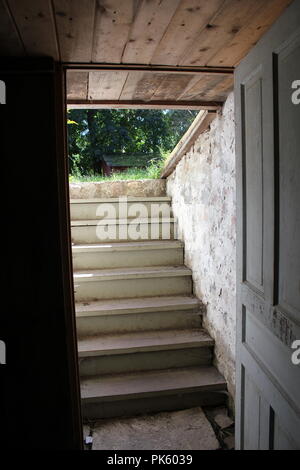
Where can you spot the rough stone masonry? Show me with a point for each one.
(202, 188)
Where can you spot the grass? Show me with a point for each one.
(153, 171)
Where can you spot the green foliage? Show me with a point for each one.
(93, 133)
(151, 172)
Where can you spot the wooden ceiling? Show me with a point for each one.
(160, 51)
(156, 88)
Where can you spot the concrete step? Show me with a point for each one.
(114, 230)
(128, 254)
(127, 352)
(132, 282)
(129, 343)
(113, 208)
(150, 391)
(137, 314)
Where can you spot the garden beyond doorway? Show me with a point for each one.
(122, 144)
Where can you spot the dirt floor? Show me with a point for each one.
(208, 428)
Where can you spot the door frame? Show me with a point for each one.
(66, 248)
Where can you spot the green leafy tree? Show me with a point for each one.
(93, 133)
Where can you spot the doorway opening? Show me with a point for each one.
(143, 344)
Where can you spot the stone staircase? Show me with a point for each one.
(140, 342)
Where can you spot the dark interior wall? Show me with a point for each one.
(39, 401)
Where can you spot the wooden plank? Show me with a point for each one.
(148, 85)
(118, 104)
(75, 26)
(36, 26)
(194, 79)
(94, 84)
(237, 48)
(171, 87)
(106, 85)
(190, 18)
(222, 28)
(77, 85)
(130, 85)
(148, 28)
(137, 86)
(199, 125)
(10, 41)
(205, 84)
(220, 91)
(112, 26)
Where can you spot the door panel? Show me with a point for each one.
(252, 112)
(287, 69)
(268, 242)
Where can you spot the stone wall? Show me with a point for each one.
(104, 189)
(203, 194)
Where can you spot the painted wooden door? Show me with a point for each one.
(40, 380)
(267, 94)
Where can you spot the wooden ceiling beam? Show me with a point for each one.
(100, 104)
(84, 67)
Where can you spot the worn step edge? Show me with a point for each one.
(94, 275)
(127, 246)
(142, 220)
(137, 305)
(130, 218)
(143, 341)
(158, 382)
(121, 200)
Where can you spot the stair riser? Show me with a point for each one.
(126, 288)
(113, 210)
(132, 258)
(97, 409)
(142, 361)
(105, 324)
(129, 232)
